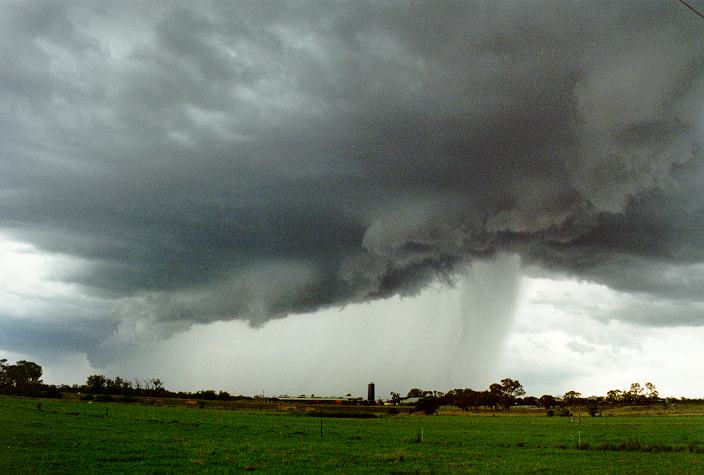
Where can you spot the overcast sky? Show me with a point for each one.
(304, 197)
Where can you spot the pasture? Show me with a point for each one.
(63, 436)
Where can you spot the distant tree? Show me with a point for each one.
(635, 394)
(547, 401)
(652, 394)
(97, 383)
(428, 405)
(529, 401)
(395, 397)
(572, 398)
(224, 396)
(572, 403)
(488, 399)
(614, 396)
(157, 386)
(23, 377)
(207, 394)
(4, 385)
(462, 398)
(118, 386)
(507, 392)
(415, 392)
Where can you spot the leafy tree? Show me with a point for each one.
(428, 404)
(614, 396)
(462, 398)
(529, 401)
(488, 399)
(224, 396)
(158, 384)
(507, 392)
(547, 401)
(23, 377)
(97, 383)
(208, 394)
(652, 394)
(415, 392)
(118, 386)
(572, 401)
(636, 393)
(572, 398)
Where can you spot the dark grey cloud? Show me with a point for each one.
(51, 339)
(248, 160)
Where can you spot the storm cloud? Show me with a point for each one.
(248, 160)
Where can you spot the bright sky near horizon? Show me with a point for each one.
(304, 197)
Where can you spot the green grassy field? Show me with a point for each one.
(76, 437)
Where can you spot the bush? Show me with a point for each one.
(429, 405)
(51, 392)
(550, 413)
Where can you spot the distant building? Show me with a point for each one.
(370, 393)
(321, 399)
(409, 401)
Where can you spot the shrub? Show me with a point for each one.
(429, 405)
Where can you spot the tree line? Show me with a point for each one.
(499, 396)
(24, 378)
(509, 393)
(101, 385)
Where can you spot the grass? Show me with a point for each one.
(62, 436)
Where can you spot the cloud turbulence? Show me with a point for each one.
(197, 162)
